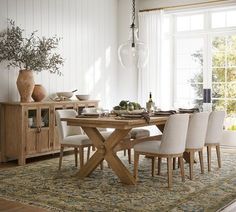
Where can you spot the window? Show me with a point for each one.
(204, 55)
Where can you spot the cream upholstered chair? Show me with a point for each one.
(214, 135)
(136, 133)
(71, 136)
(196, 138)
(171, 145)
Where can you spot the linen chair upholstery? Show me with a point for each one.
(195, 140)
(71, 136)
(135, 134)
(214, 135)
(172, 144)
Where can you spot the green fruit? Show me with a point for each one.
(117, 108)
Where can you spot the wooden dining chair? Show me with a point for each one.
(196, 136)
(171, 145)
(214, 135)
(71, 136)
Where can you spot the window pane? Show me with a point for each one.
(231, 75)
(218, 19)
(219, 43)
(218, 59)
(231, 90)
(197, 90)
(232, 42)
(218, 104)
(231, 58)
(218, 90)
(183, 23)
(231, 105)
(218, 74)
(231, 18)
(197, 22)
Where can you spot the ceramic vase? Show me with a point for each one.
(25, 84)
(39, 93)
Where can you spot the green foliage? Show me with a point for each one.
(31, 53)
(223, 73)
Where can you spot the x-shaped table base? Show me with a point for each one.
(105, 151)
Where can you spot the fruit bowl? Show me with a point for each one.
(65, 94)
(82, 97)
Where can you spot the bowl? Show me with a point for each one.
(64, 94)
(82, 97)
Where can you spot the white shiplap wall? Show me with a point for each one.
(88, 29)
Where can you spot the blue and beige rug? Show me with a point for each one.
(41, 184)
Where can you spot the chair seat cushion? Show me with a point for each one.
(76, 140)
(148, 146)
(139, 133)
(106, 134)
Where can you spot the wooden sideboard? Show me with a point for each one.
(29, 129)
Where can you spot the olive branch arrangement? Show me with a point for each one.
(32, 53)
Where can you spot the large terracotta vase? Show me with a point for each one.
(25, 84)
(39, 93)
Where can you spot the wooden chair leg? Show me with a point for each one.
(81, 156)
(178, 163)
(159, 166)
(76, 156)
(60, 159)
(153, 165)
(169, 170)
(174, 162)
(181, 165)
(88, 153)
(201, 161)
(136, 161)
(101, 165)
(191, 155)
(209, 158)
(218, 155)
(129, 155)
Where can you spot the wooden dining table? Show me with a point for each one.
(105, 147)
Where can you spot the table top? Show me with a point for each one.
(113, 122)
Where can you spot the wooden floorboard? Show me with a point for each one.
(12, 206)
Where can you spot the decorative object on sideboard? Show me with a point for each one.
(82, 97)
(25, 84)
(39, 93)
(28, 54)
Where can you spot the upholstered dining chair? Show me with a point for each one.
(71, 136)
(196, 136)
(136, 133)
(214, 135)
(171, 145)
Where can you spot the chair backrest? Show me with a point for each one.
(215, 127)
(63, 129)
(197, 129)
(174, 134)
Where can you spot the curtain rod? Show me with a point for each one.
(185, 5)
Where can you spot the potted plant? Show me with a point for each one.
(28, 54)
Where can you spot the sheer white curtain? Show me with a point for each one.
(150, 77)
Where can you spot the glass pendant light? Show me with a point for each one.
(133, 53)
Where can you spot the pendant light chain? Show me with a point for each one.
(133, 14)
(133, 23)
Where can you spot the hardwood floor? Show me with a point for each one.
(11, 206)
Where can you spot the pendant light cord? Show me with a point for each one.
(133, 23)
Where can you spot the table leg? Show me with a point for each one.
(105, 151)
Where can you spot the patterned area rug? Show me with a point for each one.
(41, 184)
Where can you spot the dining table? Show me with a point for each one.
(105, 147)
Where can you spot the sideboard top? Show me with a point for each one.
(50, 102)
